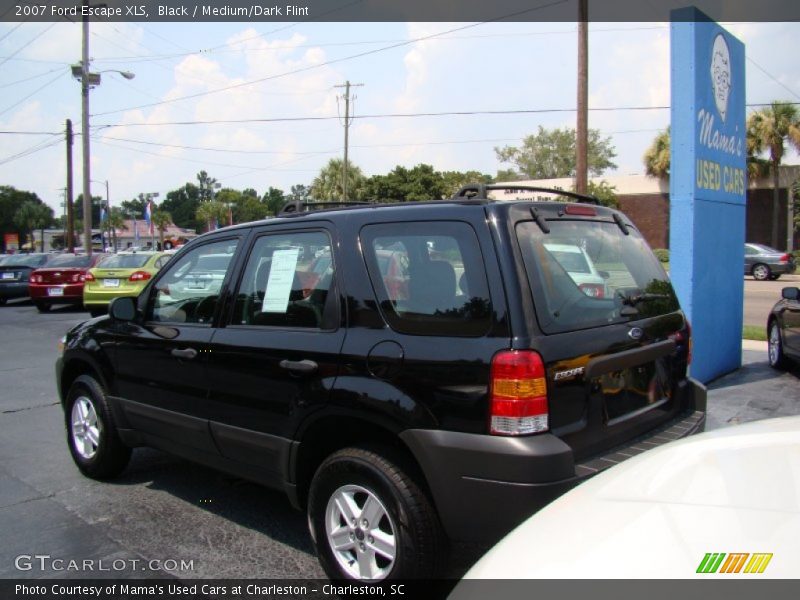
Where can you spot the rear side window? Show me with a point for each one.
(589, 273)
(429, 277)
(287, 282)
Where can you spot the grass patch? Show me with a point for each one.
(754, 332)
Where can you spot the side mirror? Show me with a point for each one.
(122, 309)
(790, 293)
(604, 274)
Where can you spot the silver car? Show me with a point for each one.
(763, 262)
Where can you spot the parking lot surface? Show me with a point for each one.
(176, 514)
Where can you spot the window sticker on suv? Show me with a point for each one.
(279, 284)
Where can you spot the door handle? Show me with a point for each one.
(187, 353)
(305, 367)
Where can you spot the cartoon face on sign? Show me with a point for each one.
(721, 74)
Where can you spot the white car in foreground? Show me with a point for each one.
(667, 512)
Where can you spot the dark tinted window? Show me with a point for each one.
(286, 283)
(429, 277)
(26, 260)
(67, 261)
(568, 300)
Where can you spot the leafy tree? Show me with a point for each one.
(299, 192)
(508, 175)
(182, 204)
(768, 131)
(116, 222)
(212, 213)
(421, 182)
(11, 199)
(455, 180)
(551, 154)
(657, 157)
(97, 203)
(250, 192)
(161, 220)
(605, 193)
(33, 215)
(274, 200)
(206, 186)
(328, 184)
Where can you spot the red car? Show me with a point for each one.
(61, 282)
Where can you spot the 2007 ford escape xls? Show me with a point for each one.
(407, 374)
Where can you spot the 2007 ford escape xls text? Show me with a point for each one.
(407, 374)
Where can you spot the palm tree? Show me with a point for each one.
(328, 185)
(656, 158)
(211, 212)
(161, 219)
(31, 216)
(116, 221)
(768, 130)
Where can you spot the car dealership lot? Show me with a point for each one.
(760, 296)
(166, 509)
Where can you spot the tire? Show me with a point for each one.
(42, 307)
(3, 301)
(761, 272)
(774, 277)
(775, 355)
(372, 485)
(92, 435)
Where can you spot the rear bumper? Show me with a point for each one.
(783, 268)
(483, 486)
(70, 292)
(14, 289)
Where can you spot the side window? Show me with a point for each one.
(286, 282)
(189, 290)
(161, 261)
(750, 251)
(429, 277)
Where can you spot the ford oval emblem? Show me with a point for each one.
(635, 333)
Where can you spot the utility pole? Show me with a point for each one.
(87, 192)
(347, 85)
(70, 235)
(582, 131)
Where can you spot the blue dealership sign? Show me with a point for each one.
(708, 187)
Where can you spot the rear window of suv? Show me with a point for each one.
(625, 269)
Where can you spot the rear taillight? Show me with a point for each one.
(580, 209)
(139, 276)
(76, 277)
(36, 278)
(595, 290)
(785, 258)
(518, 393)
(679, 337)
(88, 277)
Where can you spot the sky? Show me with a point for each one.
(285, 76)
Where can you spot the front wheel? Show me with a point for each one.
(371, 521)
(777, 360)
(91, 433)
(761, 272)
(42, 307)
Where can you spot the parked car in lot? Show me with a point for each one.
(15, 273)
(580, 268)
(763, 262)
(117, 275)
(783, 329)
(397, 416)
(722, 502)
(61, 280)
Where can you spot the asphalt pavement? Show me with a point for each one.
(761, 296)
(193, 521)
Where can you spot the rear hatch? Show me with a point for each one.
(113, 274)
(615, 354)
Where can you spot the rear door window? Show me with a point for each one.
(589, 273)
(429, 277)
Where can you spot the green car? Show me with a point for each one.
(123, 274)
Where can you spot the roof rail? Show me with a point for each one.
(479, 190)
(297, 206)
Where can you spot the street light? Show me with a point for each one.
(88, 80)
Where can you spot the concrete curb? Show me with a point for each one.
(754, 345)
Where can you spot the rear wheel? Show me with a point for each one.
(761, 272)
(42, 306)
(3, 301)
(371, 521)
(777, 360)
(774, 277)
(92, 435)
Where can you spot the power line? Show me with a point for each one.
(34, 92)
(10, 83)
(30, 132)
(768, 74)
(26, 44)
(31, 150)
(521, 111)
(330, 62)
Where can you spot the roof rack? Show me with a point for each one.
(297, 206)
(479, 190)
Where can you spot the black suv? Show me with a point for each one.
(405, 373)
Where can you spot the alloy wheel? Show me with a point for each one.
(84, 427)
(774, 345)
